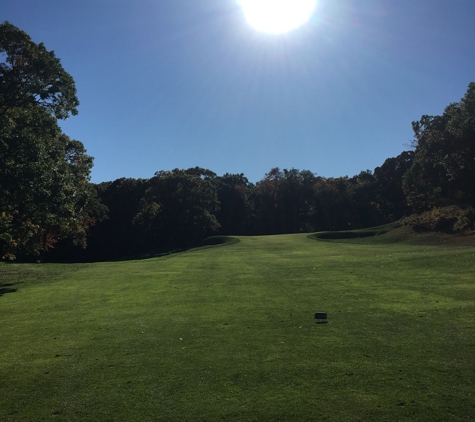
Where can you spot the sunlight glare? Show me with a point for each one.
(277, 16)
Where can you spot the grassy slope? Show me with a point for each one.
(227, 333)
(396, 233)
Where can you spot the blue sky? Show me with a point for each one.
(169, 84)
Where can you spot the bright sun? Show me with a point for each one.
(277, 16)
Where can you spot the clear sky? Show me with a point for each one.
(169, 84)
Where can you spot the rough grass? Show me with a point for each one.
(396, 233)
(227, 333)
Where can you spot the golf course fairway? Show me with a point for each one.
(227, 333)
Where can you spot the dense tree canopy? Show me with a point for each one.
(236, 207)
(117, 236)
(443, 171)
(32, 75)
(390, 195)
(45, 193)
(178, 208)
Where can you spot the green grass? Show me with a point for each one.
(226, 333)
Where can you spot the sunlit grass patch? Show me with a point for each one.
(228, 333)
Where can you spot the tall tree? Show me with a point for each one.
(45, 193)
(268, 215)
(389, 186)
(443, 171)
(117, 236)
(32, 75)
(285, 202)
(235, 210)
(178, 209)
(333, 210)
(362, 193)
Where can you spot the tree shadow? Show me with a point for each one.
(6, 288)
(162, 252)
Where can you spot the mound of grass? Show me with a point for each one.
(396, 233)
(354, 234)
(228, 333)
(220, 240)
(161, 252)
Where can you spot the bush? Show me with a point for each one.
(452, 219)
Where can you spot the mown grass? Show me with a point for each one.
(227, 333)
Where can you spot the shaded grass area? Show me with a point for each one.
(355, 234)
(157, 253)
(395, 233)
(227, 333)
(220, 240)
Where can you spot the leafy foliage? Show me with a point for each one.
(236, 206)
(390, 195)
(32, 75)
(117, 236)
(443, 171)
(178, 208)
(451, 219)
(45, 193)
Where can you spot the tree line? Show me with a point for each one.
(49, 207)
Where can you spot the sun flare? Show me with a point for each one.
(277, 16)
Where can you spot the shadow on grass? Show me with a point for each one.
(6, 288)
(211, 241)
(395, 233)
(354, 234)
(220, 240)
